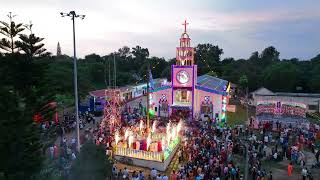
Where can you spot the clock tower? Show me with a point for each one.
(184, 76)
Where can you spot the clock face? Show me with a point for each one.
(182, 77)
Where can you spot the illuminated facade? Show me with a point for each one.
(188, 94)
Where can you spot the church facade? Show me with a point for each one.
(188, 94)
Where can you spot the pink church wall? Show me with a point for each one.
(216, 99)
(199, 97)
(157, 95)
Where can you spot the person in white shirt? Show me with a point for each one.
(180, 155)
(51, 152)
(64, 140)
(135, 177)
(126, 172)
(43, 126)
(165, 177)
(153, 173)
(275, 156)
(304, 173)
(73, 156)
(73, 140)
(266, 139)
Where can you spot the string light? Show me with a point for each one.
(210, 69)
(153, 67)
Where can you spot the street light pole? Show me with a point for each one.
(247, 103)
(115, 71)
(73, 15)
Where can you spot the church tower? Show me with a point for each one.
(185, 53)
(184, 77)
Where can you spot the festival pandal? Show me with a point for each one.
(156, 145)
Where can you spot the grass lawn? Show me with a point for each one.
(238, 117)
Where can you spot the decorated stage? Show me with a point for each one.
(157, 160)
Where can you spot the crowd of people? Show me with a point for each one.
(63, 151)
(275, 141)
(62, 154)
(209, 150)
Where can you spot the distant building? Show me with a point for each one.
(309, 101)
(58, 49)
(130, 91)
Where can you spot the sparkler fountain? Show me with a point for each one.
(153, 150)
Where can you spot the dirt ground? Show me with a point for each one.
(279, 172)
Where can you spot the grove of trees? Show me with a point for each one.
(91, 164)
(260, 69)
(24, 93)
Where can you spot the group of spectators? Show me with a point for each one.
(274, 141)
(63, 151)
(68, 123)
(62, 155)
(208, 152)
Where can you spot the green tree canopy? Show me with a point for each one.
(269, 55)
(243, 81)
(282, 76)
(207, 57)
(91, 164)
(31, 45)
(10, 30)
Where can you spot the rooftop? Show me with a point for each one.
(213, 83)
(266, 92)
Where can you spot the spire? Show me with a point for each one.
(58, 49)
(185, 52)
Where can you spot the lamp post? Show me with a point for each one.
(73, 15)
(148, 98)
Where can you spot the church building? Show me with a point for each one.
(188, 94)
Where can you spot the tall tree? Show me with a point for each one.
(10, 30)
(58, 49)
(141, 55)
(243, 81)
(254, 56)
(269, 55)
(20, 148)
(124, 51)
(282, 76)
(207, 57)
(92, 164)
(93, 58)
(31, 45)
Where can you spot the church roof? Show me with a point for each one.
(216, 85)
